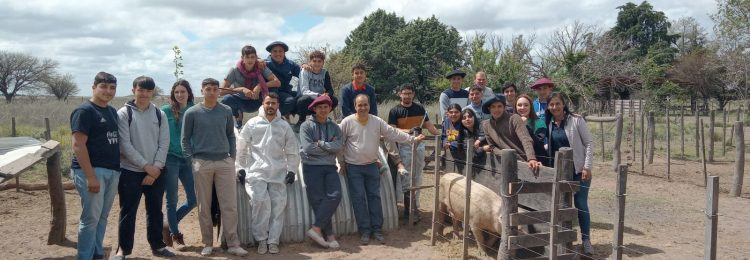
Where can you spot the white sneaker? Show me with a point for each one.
(273, 248)
(317, 237)
(236, 250)
(207, 251)
(587, 248)
(334, 244)
(262, 247)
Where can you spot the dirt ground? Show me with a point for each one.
(664, 220)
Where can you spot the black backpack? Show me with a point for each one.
(130, 115)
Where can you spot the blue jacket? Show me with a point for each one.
(347, 99)
(539, 108)
(284, 72)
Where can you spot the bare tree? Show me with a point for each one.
(21, 72)
(61, 86)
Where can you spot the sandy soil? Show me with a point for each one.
(664, 220)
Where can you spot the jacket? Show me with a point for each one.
(580, 140)
(142, 139)
(320, 142)
(267, 150)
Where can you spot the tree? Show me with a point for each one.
(501, 62)
(177, 62)
(61, 86)
(701, 72)
(21, 72)
(692, 35)
(732, 29)
(641, 28)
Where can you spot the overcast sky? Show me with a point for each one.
(133, 38)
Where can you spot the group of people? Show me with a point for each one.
(142, 150)
(535, 128)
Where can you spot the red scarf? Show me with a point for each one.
(358, 87)
(253, 75)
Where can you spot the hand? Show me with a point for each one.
(325, 94)
(342, 170)
(477, 143)
(289, 177)
(417, 130)
(152, 171)
(446, 145)
(487, 148)
(586, 175)
(148, 181)
(248, 93)
(534, 165)
(241, 176)
(306, 67)
(261, 64)
(419, 138)
(402, 171)
(93, 185)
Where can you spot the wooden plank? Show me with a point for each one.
(536, 217)
(601, 119)
(540, 239)
(544, 187)
(568, 256)
(20, 165)
(712, 218)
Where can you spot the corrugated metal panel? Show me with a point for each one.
(244, 228)
(297, 213)
(387, 196)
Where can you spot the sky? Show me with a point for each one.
(133, 38)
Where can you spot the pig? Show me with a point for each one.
(485, 210)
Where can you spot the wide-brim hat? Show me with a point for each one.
(322, 99)
(277, 43)
(541, 82)
(489, 102)
(455, 73)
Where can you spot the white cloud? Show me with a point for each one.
(132, 38)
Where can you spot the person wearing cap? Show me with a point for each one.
(313, 83)
(246, 84)
(358, 86)
(320, 138)
(455, 94)
(510, 91)
(410, 117)
(543, 88)
(361, 134)
(268, 152)
(507, 131)
(284, 69)
(480, 80)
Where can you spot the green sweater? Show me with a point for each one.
(175, 129)
(208, 134)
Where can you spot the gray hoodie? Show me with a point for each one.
(142, 140)
(320, 142)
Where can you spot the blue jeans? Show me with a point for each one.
(178, 168)
(95, 210)
(130, 189)
(323, 193)
(581, 201)
(287, 101)
(239, 105)
(364, 192)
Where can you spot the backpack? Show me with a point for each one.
(130, 115)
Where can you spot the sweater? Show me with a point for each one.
(208, 134)
(348, 94)
(175, 129)
(312, 84)
(320, 142)
(580, 140)
(361, 142)
(449, 96)
(509, 132)
(284, 72)
(143, 140)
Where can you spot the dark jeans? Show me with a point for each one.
(364, 192)
(323, 193)
(287, 100)
(239, 105)
(581, 201)
(130, 190)
(304, 101)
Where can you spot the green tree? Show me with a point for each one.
(732, 29)
(177, 62)
(641, 27)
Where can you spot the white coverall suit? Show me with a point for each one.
(267, 151)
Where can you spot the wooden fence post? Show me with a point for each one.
(724, 133)
(413, 210)
(601, 130)
(57, 199)
(711, 125)
(682, 132)
(436, 207)
(643, 142)
(618, 140)
(739, 161)
(703, 152)
(651, 134)
(632, 124)
(712, 218)
(622, 180)
(468, 172)
(509, 174)
(13, 133)
(697, 133)
(48, 131)
(669, 144)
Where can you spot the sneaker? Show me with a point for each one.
(334, 244)
(273, 248)
(364, 239)
(207, 251)
(262, 247)
(118, 257)
(178, 239)
(236, 250)
(587, 248)
(163, 252)
(315, 236)
(379, 237)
